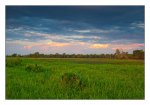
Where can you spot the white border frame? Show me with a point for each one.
(75, 2)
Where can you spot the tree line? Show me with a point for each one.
(119, 54)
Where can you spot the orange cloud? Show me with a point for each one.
(27, 47)
(49, 44)
(99, 46)
(57, 44)
(127, 46)
(46, 45)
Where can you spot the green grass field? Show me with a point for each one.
(74, 78)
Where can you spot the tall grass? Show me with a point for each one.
(11, 62)
(62, 79)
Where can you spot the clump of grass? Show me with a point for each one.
(12, 62)
(34, 68)
(72, 80)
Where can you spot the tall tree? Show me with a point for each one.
(138, 54)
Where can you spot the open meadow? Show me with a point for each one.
(74, 78)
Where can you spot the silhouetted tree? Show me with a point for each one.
(14, 55)
(138, 54)
(119, 54)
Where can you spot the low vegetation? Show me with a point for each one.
(34, 68)
(11, 62)
(82, 78)
(72, 80)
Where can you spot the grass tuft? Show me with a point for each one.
(34, 68)
(12, 62)
(72, 80)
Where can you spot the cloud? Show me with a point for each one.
(35, 35)
(27, 47)
(57, 44)
(96, 30)
(92, 30)
(79, 47)
(59, 31)
(19, 42)
(99, 46)
(131, 46)
(83, 31)
(46, 45)
(135, 25)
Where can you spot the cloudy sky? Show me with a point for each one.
(74, 29)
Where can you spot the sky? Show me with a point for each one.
(74, 29)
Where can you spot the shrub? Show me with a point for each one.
(34, 68)
(11, 62)
(72, 80)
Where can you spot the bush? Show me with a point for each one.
(11, 62)
(72, 80)
(34, 68)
